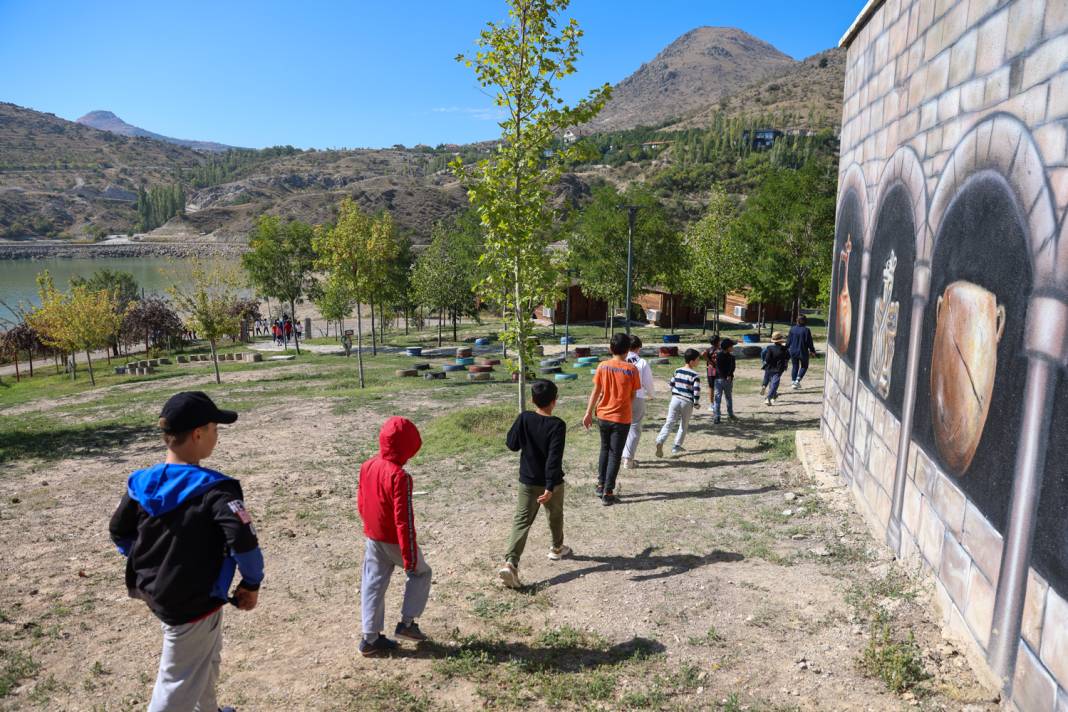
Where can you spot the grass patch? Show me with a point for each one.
(898, 664)
(711, 637)
(467, 432)
(14, 668)
(779, 447)
(388, 695)
(48, 439)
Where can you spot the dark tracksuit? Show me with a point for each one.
(799, 343)
(777, 360)
(540, 441)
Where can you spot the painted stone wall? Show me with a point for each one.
(946, 397)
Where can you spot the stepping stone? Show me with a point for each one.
(479, 369)
(566, 377)
(479, 376)
(671, 338)
(482, 342)
(421, 366)
(490, 362)
(583, 351)
(453, 367)
(669, 351)
(183, 359)
(663, 361)
(165, 361)
(120, 370)
(433, 375)
(414, 351)
(587, 360)
(406, 372)
(564, 340)
(290, 357)
(463, 352)
(464, 360)
(239, 357)
(549, 369)
(551, 362)
(256, 357)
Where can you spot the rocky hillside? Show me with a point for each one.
(107, 121)
(809, 92)
(691, 74)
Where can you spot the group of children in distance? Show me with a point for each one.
(185, 531)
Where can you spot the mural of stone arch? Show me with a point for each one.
(849, 241)
(993, 287)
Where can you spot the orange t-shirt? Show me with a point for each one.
(619, 381)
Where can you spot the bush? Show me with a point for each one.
(898, 664)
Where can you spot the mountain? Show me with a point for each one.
(107, 121)
(808, 94)
(689, 75)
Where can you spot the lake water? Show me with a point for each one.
(18, 285)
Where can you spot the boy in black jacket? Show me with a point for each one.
(778, 358)
(184, 530)
(724, 383)
(539, 437)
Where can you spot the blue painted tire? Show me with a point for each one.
(452, 368)
(566, 376)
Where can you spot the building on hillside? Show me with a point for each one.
(570, 136)
(761, 139)
(946, 395)
(655, 146)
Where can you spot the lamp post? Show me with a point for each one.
(632, 212)
(567, 313)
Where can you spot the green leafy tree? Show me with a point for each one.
(333, 300)
(210, 301)
(123, 288)
(523, 61)
(445, 275)
(281, 260)
(788, 228)
(715, 255)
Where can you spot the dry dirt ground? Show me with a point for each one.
(724, 579)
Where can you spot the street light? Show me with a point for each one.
(632, 212)
(567, 313)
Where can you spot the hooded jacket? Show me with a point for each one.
(184, 531)
(385, 489)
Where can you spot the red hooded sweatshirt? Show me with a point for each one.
(385, 489)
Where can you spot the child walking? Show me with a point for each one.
(724, 383)
(776, 361)
(709, 356)
(645, 374)
(184, 531)
(539, 438)
(614, 386)
(685, 394)
(385, 503)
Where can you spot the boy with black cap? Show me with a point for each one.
(185, 530)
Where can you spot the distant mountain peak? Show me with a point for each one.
(696, 70)
(105, 120)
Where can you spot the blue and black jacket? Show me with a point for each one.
(185, 531)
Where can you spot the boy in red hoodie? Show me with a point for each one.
(385, 502)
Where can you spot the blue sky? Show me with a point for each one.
(333, 74)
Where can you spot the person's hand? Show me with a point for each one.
(244, 599)
(587, 420)
(545, 497)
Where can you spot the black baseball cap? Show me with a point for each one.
(188, 410)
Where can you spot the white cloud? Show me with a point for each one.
(481, 113)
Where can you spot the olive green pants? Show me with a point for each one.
(527, 510)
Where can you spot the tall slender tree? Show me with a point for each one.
(280, 261)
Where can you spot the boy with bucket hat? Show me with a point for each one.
(777, 359)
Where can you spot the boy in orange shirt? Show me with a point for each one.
(614, 386)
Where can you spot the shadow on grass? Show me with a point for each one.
(65, 442)
(569, 654)
(658, 566)
(705, 493)
(667, 463)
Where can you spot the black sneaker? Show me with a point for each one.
(381, 645)
(608, 499)
(410, 632)
(716, 421)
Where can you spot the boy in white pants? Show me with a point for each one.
(645, 372)
(685, 394)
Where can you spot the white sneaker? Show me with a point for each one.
(767, 401)
(562, 553)
(633, 464)
(624, 464)
(509, 575)
(677, 450)
(796, 385)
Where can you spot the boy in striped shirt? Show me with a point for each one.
(685, 388)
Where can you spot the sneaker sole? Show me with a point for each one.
(509, 579)
(409, 637)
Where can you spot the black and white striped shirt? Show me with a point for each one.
(686, 384)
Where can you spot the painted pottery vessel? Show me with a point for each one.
(884, 332)
(845, 302)
(969, 324)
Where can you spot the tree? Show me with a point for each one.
(715, 255)
(82, 320)
(123, 288)
(280, 260)
(788, 226)
(333, 300)
(151, 319)
(20, 337)
(211, 303)
(523, 61)
(382, 253)
(445, 274)
(355, 252)
(599, 245)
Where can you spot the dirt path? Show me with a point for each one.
(724, 579)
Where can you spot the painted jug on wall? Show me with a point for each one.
(969, 324)
(845, 303)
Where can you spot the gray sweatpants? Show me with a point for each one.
(679, 412)
(189, 666)
(379, 560)
(637, 412)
